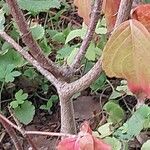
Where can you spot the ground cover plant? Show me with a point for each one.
(77, 70)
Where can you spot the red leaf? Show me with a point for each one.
(85, 127)
(68, 144)
(142, 14)
(110, 9)
(84, 141)
(84, 9)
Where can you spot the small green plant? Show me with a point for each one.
(23, 109)
(7, 73)
(50, 102)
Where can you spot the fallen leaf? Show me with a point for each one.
(110, 9)
(126, 55)
(142, 14)
(84, 9)
(84, 141)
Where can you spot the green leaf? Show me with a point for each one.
(134, 125)
(59, 37)
(14, 104)
(5, 47)
(101, 30)
(146, 145)
(37, 31)
(44, 107)
(115, 94)
(91, 52)
(116, 113)
(73, 34)
(30, 73)
(72, 56)
(115, 143)
(20, 96)
(105, 130)
(45, 47)
(25, 112)
(49, 103)
(8, 74)
(65, 52)
(12, 57)
(38, 5)
(54, 98)
(99, 83)
(77, 33)
(2, 20)
(2, 72)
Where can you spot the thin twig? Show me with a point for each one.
(49, 134)
(123, 12)
(27, 137)
(28, 39)
(11, 132)
(95, 16)
(3, 118)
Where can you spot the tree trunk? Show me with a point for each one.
(67, 115)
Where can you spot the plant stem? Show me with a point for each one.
(12, 134)
(67, 115)
(123, 12)
(1, 93)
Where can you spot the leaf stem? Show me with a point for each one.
(2, 87)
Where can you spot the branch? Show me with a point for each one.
(11, 132)
(28, 39)
(4, 119)
(30, 59)
(123, 12)
(82, 83)
(95, 16)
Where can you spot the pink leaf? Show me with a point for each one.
(84, 141)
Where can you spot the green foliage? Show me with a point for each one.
(99, 83)
(10, 56)
(77, 33)
(120, 90)
(38, 5)
(49, 103)
(147, 1)
(23, 109)
(30, 73)
(134, 125)
(37, 31)
(115, 143)
(25, 112)
(82, 32)
(105, 130)
(20, 98)
(115, 112)
(2, 20)
(7, 73)
(146, 145)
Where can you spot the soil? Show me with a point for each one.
(87, 107)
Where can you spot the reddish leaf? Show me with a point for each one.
(142, 14)
(126, 55)
(110, 9)
(84, 141)
(84, 9)
(68, 144)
